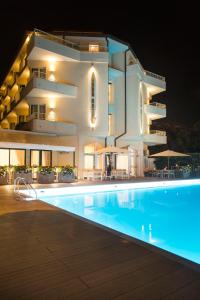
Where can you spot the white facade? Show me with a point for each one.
(90, 90)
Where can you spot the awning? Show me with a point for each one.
(29, 140)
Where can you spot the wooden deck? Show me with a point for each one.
(48, 254)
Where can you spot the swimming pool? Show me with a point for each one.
(167, 217)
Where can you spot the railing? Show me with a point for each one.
(28, 186)
(157, 104)
(154, 75)
(55, 38)
(66, 42)
(36, 115)
(158, 132)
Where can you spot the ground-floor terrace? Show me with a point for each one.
(33, 150)
(47, 253)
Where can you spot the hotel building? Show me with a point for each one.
(67, 95)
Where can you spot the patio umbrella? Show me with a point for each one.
(168, 154)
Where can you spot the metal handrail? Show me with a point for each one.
(27, 185)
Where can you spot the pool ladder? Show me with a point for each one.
(28, 186)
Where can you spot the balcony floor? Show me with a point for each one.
(47, 253)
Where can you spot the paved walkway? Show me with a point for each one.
(47, 254)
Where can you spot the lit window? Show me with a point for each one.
(4, 157)
(89, 161)
(17, 157)
(93, 48)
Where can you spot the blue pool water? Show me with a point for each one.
(168, 217)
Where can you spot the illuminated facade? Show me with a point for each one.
(67, 95)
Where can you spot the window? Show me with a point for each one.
(4, 157)
(39, 72)
(17, 157)
(39, 111)
(41, 158)
(93, 99)
(22, 119)
(12, 125)
(46, 158)
(89, 161)
(35, 158)
(93, 48)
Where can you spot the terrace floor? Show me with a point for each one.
(46, 253)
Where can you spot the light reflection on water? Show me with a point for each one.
(168, 218)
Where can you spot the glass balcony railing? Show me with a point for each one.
(158, 132)
(65, 42)
(157, 104)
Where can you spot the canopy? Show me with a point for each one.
(112, 149)
(168, 154)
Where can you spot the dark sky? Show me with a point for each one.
(164, 35)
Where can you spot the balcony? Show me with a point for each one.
(43, 88)
(155, 110)
(155, 83)
(155, 137)
(50, 127)
(43, 46)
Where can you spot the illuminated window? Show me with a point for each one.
(89, 161)
(4, 157)
(17, 157)
(93, 48)
(39, 111)
(93, 99)
(35, 158)
(39, 72)
(46, 158)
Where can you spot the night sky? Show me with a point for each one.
(164, 36)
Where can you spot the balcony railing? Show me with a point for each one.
(158, 132)
(66, 42)
(154, 75)
(157, 104)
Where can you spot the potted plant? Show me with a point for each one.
(3, 176)
(23, 172)
(66, 174)
(46, 175)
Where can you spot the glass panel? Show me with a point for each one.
(4, 157)
(122, 162)
(43, 73)
(34, 110)
(17, 157)
(88, 161)
(46, 158)
(35, 158)
(42, 110)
